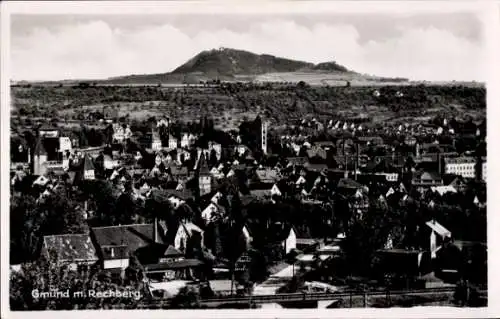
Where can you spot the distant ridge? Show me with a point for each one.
(226, 64)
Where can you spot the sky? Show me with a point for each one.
(432, 47)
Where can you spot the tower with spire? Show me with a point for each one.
(39, 158)
(204, 177)
(261, 128)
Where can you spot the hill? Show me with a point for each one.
(238, 65)
(238, 62)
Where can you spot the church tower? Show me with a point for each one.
(264, 127)
(40, 158)
(204, 177)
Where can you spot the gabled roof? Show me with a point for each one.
(126, 238)
(438, 228)
(297, 160)
(202, 165)
(171, 252)
(71, 247)
(190, 228)
(87, 163)
(39, 148)
(348, 183)
(444, 189)
(267, 175)
(430, 176)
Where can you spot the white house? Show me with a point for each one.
(172, 142)
(176, 201)
(156, 142)
(463, 166)
(290, 242)
(390, 177)
(217, 148)
(300, 181)
(438, 234)
(215, 199)
(184, 232)
(185, 140)
(209, 212)
(275, 191)
(441, 190)
(64, 144)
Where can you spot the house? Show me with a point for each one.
(296, 161)
(289, 243)
(438, 235)
(116, 244)
(300, 181)
(88, 168)
(464, 166)
(186, 231)
(441, 190)
(185, 140)
(264, 178)
(110, 163)
(275, 191)
(72, 249)
(155, 141)
(48, 131)
(428, 179)
(172, 142)
(217, 148)
(211, 211)
(64, 144)
(316, 154)
(410, 140)
(171, 254)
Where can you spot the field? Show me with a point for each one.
(229, 104)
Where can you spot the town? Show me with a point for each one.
(285, 205)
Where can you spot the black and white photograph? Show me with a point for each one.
(259, 160)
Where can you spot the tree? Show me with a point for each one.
(187, 298)
(47, 274)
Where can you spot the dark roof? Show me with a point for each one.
(87, 164)
(316, 167)
(185, 194)
(71, 246)
(176, 170)
(125, 238)
(203, 165)
(47, 127)
(185, 263)
(297, 160)
(316, 151)
(39, 148)
(171, 251)
(430, 175)
(267, 175)
(261, 193)
(348, 183)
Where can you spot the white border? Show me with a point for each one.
(490, 14)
